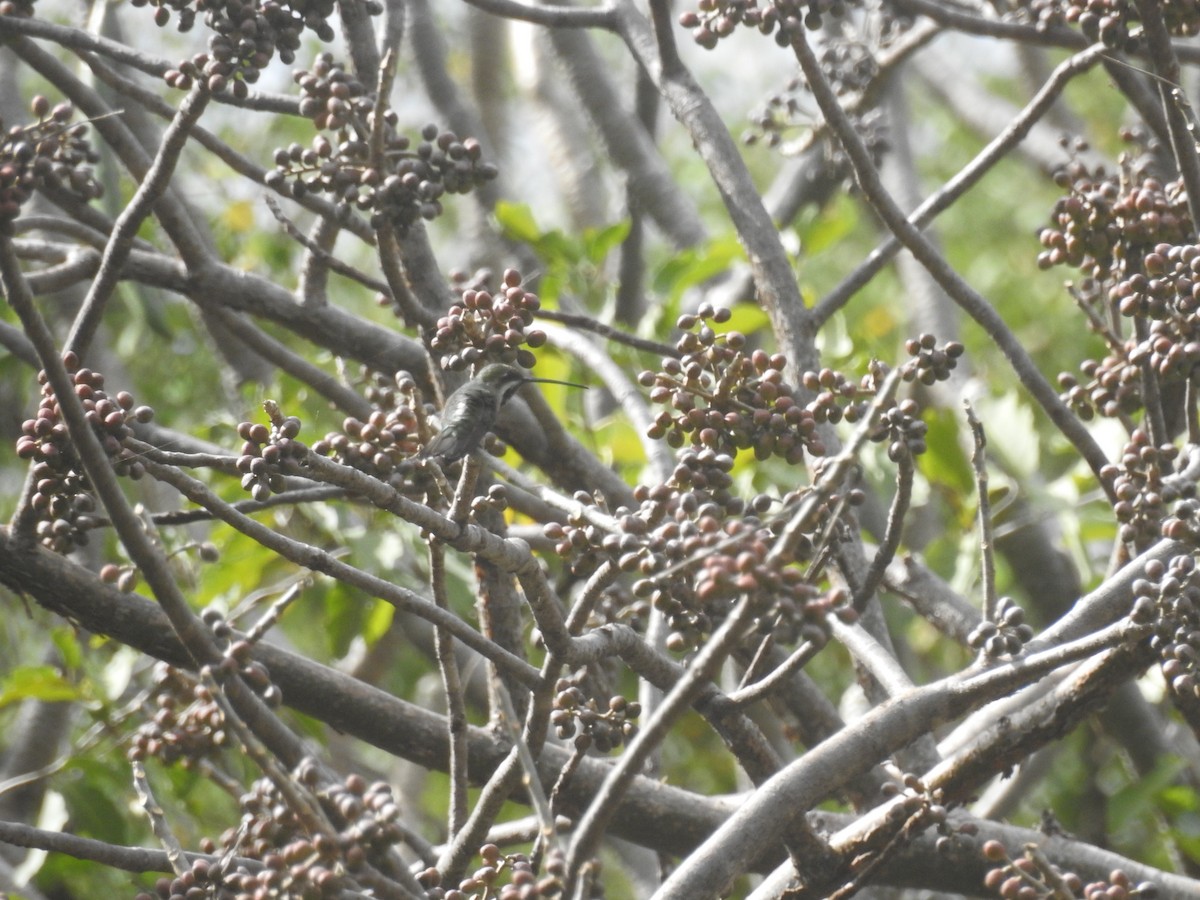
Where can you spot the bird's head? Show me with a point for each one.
(506, 380)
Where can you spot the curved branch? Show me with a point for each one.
(950, 281)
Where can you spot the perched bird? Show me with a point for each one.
(471, 411)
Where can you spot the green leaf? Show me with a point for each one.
(1140, 797)
(517, 221)
(36, 683)
(377, 621)
(95, 792)
(1011, 432)
(1179, 799)
(599, 242)
(618, 443)
(558, 249)
(67, 642)
(830, 228)
(945, 462)
(696, 265)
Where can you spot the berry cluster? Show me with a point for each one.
(1108, 223)
(919, 806)
(248, 34)
(264, 449)
(1183, 524)
(185, 15)
(293, 863)
(1004, 637)
(48, 153)
(586, 544)
(494, 501)
(503, 876)
(901, 426)
(697, 545)
(1133, 238)
(200, 879)
(489, 326)
(1168, 296)
(723, 396)
(124, 577)
(849, 63)
(696, 556)
(1169, 599)
(1113, 388)
(187, 726)
(390, 435)
(1043, 14)
(333, 98)
(716, 19)
(1027, 878)
(785, 116)
(402, 186)
(1143, 487)
(930, 363)
(781, 113)
(237, 659)
(1110, 21)
(62, 499)
(899, 422)
(793, 609)
(578, 716)
(835, 397)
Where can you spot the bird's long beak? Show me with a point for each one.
(556, 381)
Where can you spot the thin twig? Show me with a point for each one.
(276, 610)
(1166, 67)
(464, 492)
(966, 178)
(624, 391)
(391, 258)
(905, 472)
(533, 782)
(504, 780)
(83, 42)
(778, 292)
(614, 334)
(320, 253)
(757, 690)
(550, 16)
(120, 242)
(456, 711)
(158, 820)
(319, 561)
(79, 267)
(950, 281)
(987, 556)
(606, 573)
(313, 283)
(127, 859)
(342, 397)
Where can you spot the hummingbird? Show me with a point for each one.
(471, 411)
